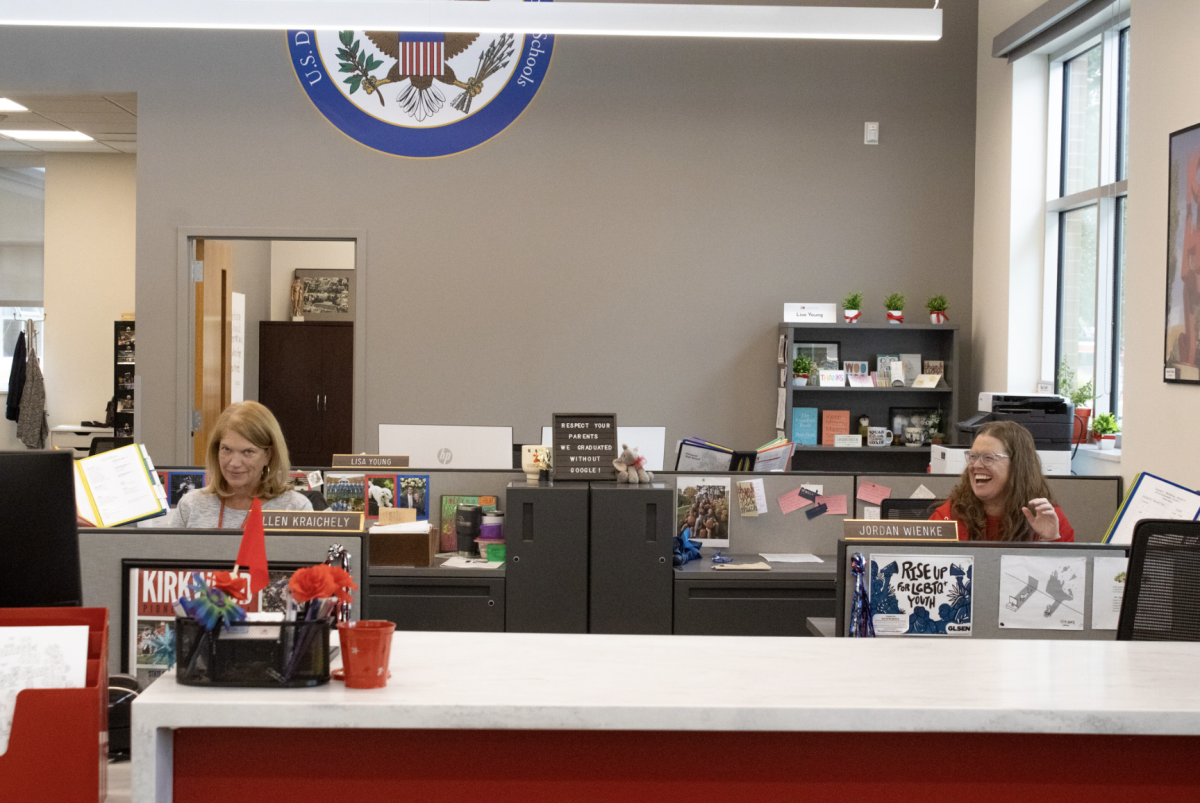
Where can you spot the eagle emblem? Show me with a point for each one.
(407, 93)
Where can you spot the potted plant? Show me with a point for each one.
(1078, 396)
(852, 307)
(934, 423)
(802, 367)
(894, 304)
(1105, 429)
(937, 307)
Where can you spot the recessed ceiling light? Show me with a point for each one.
(7, 105)
(45, 136)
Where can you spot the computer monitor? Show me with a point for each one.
(448, 447)
(39, 537)
(909, 509)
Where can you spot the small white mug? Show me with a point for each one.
(914, 436)
(879, 436)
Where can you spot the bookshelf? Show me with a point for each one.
(123, 371)
(862, 342)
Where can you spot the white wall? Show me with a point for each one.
(1160, 419)
(22, 227)
(252, 278)
(1009, 208)
(89, 279)
(290, 255)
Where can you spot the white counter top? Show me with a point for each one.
(726, 683)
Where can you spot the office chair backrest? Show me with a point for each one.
(107, 444)
(1162, 580)
(911, 509)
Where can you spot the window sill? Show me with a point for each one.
(1094, 452)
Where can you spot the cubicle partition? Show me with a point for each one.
(102, 554)
(1018, 590)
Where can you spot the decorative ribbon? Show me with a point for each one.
(938, 317)
(895, 315)
(860, 609)
(852, 315)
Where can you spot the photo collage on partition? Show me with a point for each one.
(151, 613)
(702, 510)
(402, 491)
(346, 492)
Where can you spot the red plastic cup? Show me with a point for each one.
(366, 648)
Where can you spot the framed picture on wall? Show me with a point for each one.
(1181, 361)
(823, 355)
(328, 295)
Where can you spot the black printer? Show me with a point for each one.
(1049, 418)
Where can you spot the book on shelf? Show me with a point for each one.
(118, 487)
(699, 455)
(804, 425)
(834, 423)
(775, 456)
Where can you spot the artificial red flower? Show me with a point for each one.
(342, 582)
(233, 586)
(320, 581)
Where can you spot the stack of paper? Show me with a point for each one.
(700, 455)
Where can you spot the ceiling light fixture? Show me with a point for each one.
(585, 18)
(45, 136)
(7, 105)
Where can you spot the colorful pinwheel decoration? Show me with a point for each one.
(162, 648)
(210, 605)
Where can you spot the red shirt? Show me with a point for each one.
(1066, 533)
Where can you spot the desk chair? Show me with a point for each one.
(317, 498)
(1160, 601)
(911, 509)
(107, 444)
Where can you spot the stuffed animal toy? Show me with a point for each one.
(630, 467)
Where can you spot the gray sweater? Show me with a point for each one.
(200, 510)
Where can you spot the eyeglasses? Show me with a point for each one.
(988, 459)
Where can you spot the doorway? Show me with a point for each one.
(275, 320)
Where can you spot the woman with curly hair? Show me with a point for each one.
(1002, 495)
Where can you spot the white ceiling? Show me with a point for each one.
(110, 120)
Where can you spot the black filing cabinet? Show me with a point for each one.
(546, 573)
(748, 603)
(631, 558)
(433, 599)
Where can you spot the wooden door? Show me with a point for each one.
(337, 390)
(213, 338)
(289, 384)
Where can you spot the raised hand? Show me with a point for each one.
(1042, 518)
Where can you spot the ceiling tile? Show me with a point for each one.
(12, 145)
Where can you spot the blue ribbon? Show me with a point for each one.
(860, 610)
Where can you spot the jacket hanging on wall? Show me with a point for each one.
(16, 380)
(31, 426)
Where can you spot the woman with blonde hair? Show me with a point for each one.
(1002, 495)
(246, 459)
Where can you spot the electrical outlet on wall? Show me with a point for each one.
(871, 133)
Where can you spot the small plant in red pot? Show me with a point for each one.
(1078, 396)
(1105, 429)
(802, 368)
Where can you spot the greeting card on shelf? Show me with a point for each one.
(927, 381)
(896, 372)
(854, 367)
(912, 367)
(847, 441)
(883, 364)
(861, 380)
(934, 367)
(833, 379)
(834, 423)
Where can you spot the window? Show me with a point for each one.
(1087, 207)
(11, 325)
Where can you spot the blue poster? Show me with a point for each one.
(921, 595)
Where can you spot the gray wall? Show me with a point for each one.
(625, 246)
(252, 277)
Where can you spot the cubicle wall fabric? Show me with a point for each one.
(102, 551)
(1021, 590)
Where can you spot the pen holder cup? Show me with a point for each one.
(366, 650)
(259, 654)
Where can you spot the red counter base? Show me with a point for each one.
(530, 766)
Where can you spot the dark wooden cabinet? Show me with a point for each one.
(306, 378)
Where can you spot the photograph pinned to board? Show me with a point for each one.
(1041, 593)
(326, 295)
(413, 492)
(346, 492)
(1108, 590)
(921, 595)
(702, 509)
(299, 481)
(381, 492)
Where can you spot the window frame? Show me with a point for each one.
(1112, 37)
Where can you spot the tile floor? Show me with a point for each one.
(119, 782)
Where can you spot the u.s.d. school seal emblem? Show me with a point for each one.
(420, 94)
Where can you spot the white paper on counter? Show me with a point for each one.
(52, 657)
(1108, 589)
(789, 557)
(471, 563)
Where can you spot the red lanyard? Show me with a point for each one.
(221, 518)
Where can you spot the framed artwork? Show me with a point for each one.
(328, 294)
(381, 492)
(823, 355)
(901, 417)
(413, 491)
(178, 483)
(346, 492)
(1181, 359)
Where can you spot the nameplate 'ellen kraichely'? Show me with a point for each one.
(336, 521)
